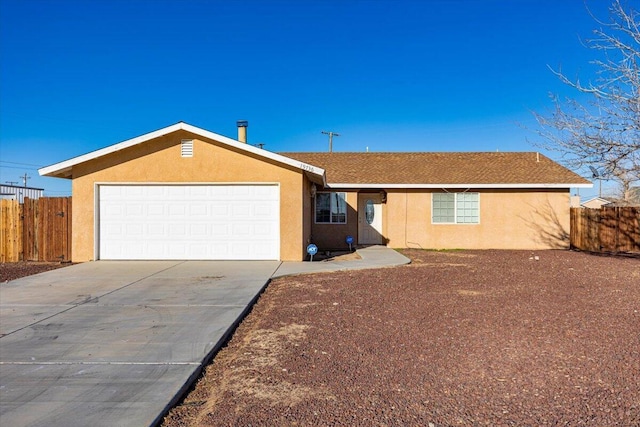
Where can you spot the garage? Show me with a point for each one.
(190, 222)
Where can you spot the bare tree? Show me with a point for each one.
(603, 132)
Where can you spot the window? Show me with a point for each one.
(186, 148)
(331, 208)
(455, 208)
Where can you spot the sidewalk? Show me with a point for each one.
(371, 257)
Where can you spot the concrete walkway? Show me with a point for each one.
(371, 257)
(117, 343)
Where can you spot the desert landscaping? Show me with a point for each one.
(498, 338)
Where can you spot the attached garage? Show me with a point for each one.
(190, 222)
(184, 193)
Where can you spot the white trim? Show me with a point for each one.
(58, 168)
(439, 186)
(96, 221)
(186, 183)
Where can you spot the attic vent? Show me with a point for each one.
(186, 148)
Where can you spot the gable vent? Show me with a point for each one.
(186, 148)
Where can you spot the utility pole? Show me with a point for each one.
(331, 135)
(24, 178)
(11, 182)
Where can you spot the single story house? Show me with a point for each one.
(595, 203)
(183, 192)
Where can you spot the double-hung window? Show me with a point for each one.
(455, 208)
(331, 208)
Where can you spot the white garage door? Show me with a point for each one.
(207, 222)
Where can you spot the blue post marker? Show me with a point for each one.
(312, 250)
(349, 242)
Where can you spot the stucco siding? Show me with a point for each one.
(307, 218)
(509, 219)
(160, 161)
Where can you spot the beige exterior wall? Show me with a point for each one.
(307, 218)
(160, 161)
(509, 219)
(518, 219)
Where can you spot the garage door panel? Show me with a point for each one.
(114, 210)
(198, 210)
(199, 231)
(220, 230)
(243, 231)
(155, 210)
(156, 230)
(178, 231)
(189, 222)
(263, 230)
(220, 211)
(135, 230)
(155, 250)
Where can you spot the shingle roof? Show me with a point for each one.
(490, 168)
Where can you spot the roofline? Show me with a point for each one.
(21, 186)
(58, 168)
(443, 185)
(597, 198)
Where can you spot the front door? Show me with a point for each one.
(369, 219)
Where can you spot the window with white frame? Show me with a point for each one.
(455, 208)
(331, 208)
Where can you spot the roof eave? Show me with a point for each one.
(445, 185)
(63, 169)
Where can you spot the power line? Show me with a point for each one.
(17, 167)
(18, 163)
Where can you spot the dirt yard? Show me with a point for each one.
(15, 270)
(500, 338)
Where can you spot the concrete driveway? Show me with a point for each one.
(112, 343)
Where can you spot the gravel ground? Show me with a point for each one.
(15, 270)
(469, 338)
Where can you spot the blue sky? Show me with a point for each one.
(430, 75)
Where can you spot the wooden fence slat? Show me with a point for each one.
(10, 240)
(42, 224)
(29, 239)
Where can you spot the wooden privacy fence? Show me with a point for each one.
(615, 229)
(37, 230)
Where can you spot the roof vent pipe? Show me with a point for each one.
(242, 130)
